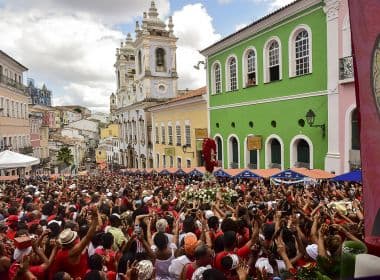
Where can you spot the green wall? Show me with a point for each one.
(286, 112)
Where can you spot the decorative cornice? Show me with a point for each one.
(179, 103)
(273, 99)
(266, 22)
(331, 9)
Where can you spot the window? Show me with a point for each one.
(232, 74)
(163, 161)
(217, 79)
(139, 60)
(178, 134)
(157, 136)
(163, 140)
(188, 163)
(188, 135)
(160, 60)
(170, 135)
(2, 106)
(302, 53)
(274, 61)
(250, 68)
(179, 162)
(355, 134)
(171, 161)
(158, 160)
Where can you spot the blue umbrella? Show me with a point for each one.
(353, 176)
(247, 174)
(288, 174)
(221, 173)
(195, 173)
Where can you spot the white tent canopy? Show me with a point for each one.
(9, 159)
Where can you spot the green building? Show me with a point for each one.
(262, 82)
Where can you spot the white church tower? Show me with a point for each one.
(146, 75)
(155, 51)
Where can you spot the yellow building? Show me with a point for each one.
(178, 129)
(101, 155)
(112, 130)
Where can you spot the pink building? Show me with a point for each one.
(343, 130)
(349, 142)
(49, 119)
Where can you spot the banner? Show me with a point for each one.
(365, 34)
(201, 133)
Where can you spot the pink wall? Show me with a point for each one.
(347, 99)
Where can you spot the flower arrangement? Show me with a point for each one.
(209, 154)
(208, 194)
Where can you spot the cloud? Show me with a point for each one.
(74, 52)
(224, 1)
(193, 35)
(110, 11)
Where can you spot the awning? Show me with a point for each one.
(247, 174)
(221, 174)
(289, 174)
(9, 159)
(353, 176)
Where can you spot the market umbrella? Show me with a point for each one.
(221, 173)
(288, 174)
(9, 159)
(247, 174)
(353, 176)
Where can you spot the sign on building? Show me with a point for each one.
(170, 152)
(254, 143)
(201, 133)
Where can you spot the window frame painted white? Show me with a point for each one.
(292, 52)
(266, 58)
(293, 150)
(213, 77)
(227, 69)
(245, 66)
(221, 140)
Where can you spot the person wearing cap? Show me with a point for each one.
(203, 258)
(72, 258)
(114, 229)
(12, 222)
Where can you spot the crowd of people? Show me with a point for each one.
(113, 226)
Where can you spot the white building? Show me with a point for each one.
(146, 75)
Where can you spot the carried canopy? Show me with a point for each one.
(9, 159)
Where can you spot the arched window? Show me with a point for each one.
(219, 153)
(275, 147)
(217, 83)
(233, 152)
(274, 61)
(139, 60)
(355, 137)
(274, 152)
(250, 68)
(302, 53)
(118, 79)
(232, 74)
(160, 60)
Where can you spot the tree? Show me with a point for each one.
(65, 156)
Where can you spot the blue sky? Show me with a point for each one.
(70, 45)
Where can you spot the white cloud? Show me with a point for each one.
(74, 52)
(240, 26)
(193, 35)
(224, 1)
(110, 11)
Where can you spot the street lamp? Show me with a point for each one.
(199, 63)
(310, 118)
(185, 151)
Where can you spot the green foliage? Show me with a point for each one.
(65, 156)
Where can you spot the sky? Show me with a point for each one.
(70, 45)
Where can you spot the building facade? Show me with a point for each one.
(38, 96)
(146, 75)
(178, 129)
(266, 84)
(14, 114)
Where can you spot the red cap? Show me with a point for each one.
(12, 219)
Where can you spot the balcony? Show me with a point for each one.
(12, 83)
(26, 150)
(252, 166)
(234, 165)
(346, 68)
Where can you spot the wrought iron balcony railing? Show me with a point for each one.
(346, 68)
(10, 82)
(234, 165)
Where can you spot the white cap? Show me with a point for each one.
(208, 214)
(147, 198)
